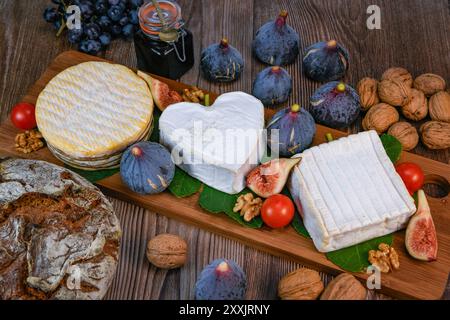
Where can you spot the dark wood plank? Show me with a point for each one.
(415, 35)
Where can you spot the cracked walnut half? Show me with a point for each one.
(248, 206)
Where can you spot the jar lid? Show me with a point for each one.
(150, 22)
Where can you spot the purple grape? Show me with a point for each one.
(101, 7)
(123, 21)
(105, 39)
(128, 31)
(90, 46)
(123, 4)
(115, 13)
(57, 24)
(75, 35)
(133, 17)
(116, 30)
(113, 2)
(51, 14)
(136, 3)
(92, 31)
(86, 10)
(104, 22)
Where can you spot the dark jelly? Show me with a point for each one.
(170, 59)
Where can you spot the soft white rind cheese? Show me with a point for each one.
(211, 139)
(348, 192)
(94, 109)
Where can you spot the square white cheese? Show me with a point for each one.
(219, 144)
(348, 192)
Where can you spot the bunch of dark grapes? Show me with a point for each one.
(101, 21)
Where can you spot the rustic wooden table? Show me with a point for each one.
(414, 34)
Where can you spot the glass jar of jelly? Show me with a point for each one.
(167, 58)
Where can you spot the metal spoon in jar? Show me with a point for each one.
(167, 34)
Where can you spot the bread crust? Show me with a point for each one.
(59, 235)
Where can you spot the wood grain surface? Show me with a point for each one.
(414, 35)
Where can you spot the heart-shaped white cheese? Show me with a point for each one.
(219, 144)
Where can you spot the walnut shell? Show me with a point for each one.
(429, 83)
(367, 90)
(301, 284)
(436, 134)
(417, 107)
(344, 287)
(167, 251)
(394, 92)
(400, 74)
(439, 106)
(406, 134)
(380, 117)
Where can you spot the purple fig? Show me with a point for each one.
(221, 280)
(325, 61)
(296, 130)
(270, 178)
(421, 239)
(335, 105)
(272, 86)
(221, 62)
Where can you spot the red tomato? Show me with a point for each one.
(412, 176)
(277, 211)
(23, 116)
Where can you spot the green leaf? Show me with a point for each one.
(216, 201)
(297, 222)
(183, 185)
(94, 176)
(392, 146)
(154, 137)
(355, 258)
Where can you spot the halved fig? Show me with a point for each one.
(161, 92)
(269, 178)
(421, 239)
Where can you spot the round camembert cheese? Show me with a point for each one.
(94, 109)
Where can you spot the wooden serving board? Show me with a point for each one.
(415, 279)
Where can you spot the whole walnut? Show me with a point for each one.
(406, 134)
(167, 251)
(344, 287)
(380, 117)
(429, 83)
(394, 92)
(367, 90)
(439, 106)
(301, 284)
(400, 74)
(417, 107)
(435, 134)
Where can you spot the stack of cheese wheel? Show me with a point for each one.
(90, 113)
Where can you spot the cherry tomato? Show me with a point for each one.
(277, 211)
(412, 176)
(23, 116)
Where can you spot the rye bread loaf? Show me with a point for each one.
(59, 235)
